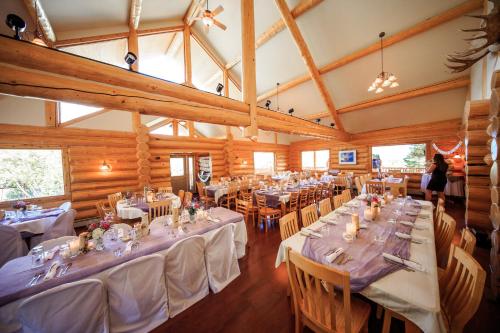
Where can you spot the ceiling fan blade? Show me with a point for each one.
(217, 10)
(220, 25)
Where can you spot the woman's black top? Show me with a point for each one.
(438, 179)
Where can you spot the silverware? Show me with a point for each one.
(339, 259)
(35, 281)
(330, 251)
(61, 269)
(68, 266)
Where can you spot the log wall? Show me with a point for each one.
(241, 158)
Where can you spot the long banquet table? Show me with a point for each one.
(15, 275)
(415, 294)
(137, 210)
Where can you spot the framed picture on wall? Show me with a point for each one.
(347, 157)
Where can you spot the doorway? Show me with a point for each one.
(182, 174)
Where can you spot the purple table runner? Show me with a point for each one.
(18, 272)
(367, 264)
(33, 215)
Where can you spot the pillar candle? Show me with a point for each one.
(74, 247)
(351, 229)
(355, 220)
(83, 240)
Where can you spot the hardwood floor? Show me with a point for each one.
(256, 301)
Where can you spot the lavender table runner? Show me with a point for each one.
(367, 264)
(17, 273)
(33, 215)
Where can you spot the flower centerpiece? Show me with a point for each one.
(19, 205)
(193, 207)
(374, 202)
(96, 231)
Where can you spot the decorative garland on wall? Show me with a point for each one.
(447, 152)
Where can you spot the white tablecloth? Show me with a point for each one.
(38, 226)
(9, 323)
(455, 188)
(415, 295)
(127, 212)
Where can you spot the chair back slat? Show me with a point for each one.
(444, 237)
(242, 207)
(467, 241)
(325, 207)
(346, 196)
(338, 200)
(293, 204)
(310, 195)
(359, 187)
(289, 225)
(159, 208)
(375, 187)
(113, 199)
(309, 215)
(165, 189)
(314, 294)
(461, 288)
(303, 198)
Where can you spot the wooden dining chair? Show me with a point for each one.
(338, 200)
(202, 194)
(181, 196)
(444, 236)
(467, 241)
(252, 209)
(340, 183)
(325, 207)
(438, 216)
(113, 199)
(359, 187)
(188, 197)
(242, 207)
(375, 187)
(165, 189)
(317, 303)
(289, 225)
(158, 208)
(461, 289)
(404, 188)
(230, 198)
(311, 195)
(346, 195)
(102, 208)
(266, 214)
(318, 194)
(309, 215)
(293, 204)
(303, 198)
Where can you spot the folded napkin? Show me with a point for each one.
(50, 254)
(328, 220)
(410, 213)
(51, 273)
(418, 226)
(414, 238)
(213, 219)
(308, 232)
(412, 264)
(331, 257)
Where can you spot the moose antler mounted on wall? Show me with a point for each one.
(490, 29)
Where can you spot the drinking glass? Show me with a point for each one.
(37, 256)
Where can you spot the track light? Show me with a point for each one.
(130, 59)
(332, 124)
(318, 120)
(17, 24)
(290, 112)
(268, 103)
(219, 89)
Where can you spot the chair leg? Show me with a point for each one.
(386, 327)
(380, 311)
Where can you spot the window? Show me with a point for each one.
(263, 162)
(30, 173)
(402, 158)
(70, 111)
(316, 160)
(176, 166)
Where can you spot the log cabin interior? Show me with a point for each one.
(249, 166)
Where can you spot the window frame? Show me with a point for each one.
(402, 169)
(65, 169)
(315, 167)
(274, 162)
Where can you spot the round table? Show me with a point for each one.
(128, 212)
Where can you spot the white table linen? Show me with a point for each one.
(127, 212)
(38, 226)
(415, 295)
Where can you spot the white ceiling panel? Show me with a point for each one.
(161, 10)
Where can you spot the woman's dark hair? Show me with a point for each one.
(440, 163)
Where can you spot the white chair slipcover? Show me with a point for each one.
(62, 226)
(220, 258)
(72, 307)
(186, 274)
(65, 206)
(137, 295)
(11, 244)
(51, 243)
(240, 239)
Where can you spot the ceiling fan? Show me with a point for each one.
(207, 17)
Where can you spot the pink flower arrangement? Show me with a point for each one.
(19, 205)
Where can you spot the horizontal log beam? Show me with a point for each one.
(422, 91)
(446, 16)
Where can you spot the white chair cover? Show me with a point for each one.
(51, 243)
(220, 258)
(72, 307)
(66, 206)
(186, 275)
(137, 295)
(11, 244)
(62, 226)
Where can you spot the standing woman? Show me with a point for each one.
(438, 179)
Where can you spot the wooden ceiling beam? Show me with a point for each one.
(159, 124)
(446, 16)
(308, 59)
(193, 11)
(302, 7)
(82, 118)
(37, 14)
(114, 36)
(422, 91)
(135, 14)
